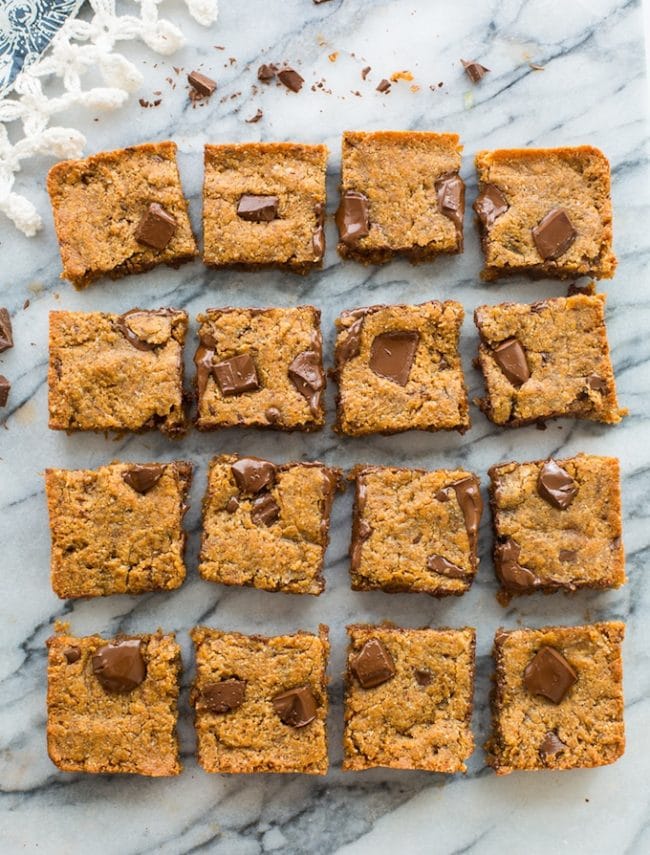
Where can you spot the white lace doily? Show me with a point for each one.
(78, 47)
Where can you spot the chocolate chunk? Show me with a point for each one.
(365, 72)
(306, 374)
(266, 73)
(451, 198)
(490, 204)
(361, 533)
(297, 707)
(291, 79)
(423, 677)
(318, 235)
(252, 474)
(556, 486)
(392, 354)
(203, 360)
(597, 383)
(253, 119)
(6, 337)
(133, 339)
(352, 217)
(143, 476)
(443, 494)
(119, 667)
(511, 574)
(439, 564)
(265, 510)
(258, 209)
(5, 388)
(350, 347)
(236, 375)
(272, 414)
(550, 675)
(222, 697)
(372, 665)
(474, 70)
(469, 498)
(383, 85)
(232, 504)
(554, 234)
(205, 86)
(568, 556)
(156, 228)
(510, 356)
(551, 745)
(72, 654)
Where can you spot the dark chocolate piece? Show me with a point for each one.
(297, 707)
(352, 217)
(511, 574)
(549, 674)
(203, 359)
(236, 375)
(6, 336)
(5, 388)
(490, 204)
(383, 85)
(597, 383)
(451, 198)
(510, 356)
(222, 697)
(318, 235)
(554, 234)
(156, 228)
(119, 666)
(258, 209)
(232, 504)
(205, 86)
(133, 339)
(265, 510)
(556, 486)
(372, 665)
(306, 374)
(439, 564)
(72, 654)
(423, 677)
(291, 79)
(392, 355)
(266, 73)
(351, 346)
(469, 498)
(568, 556)
(474, 70)
(551, 745)
(253, 119)
(252, 474)
(143, 476)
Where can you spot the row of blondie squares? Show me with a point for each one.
(541, 212)
(119, 529)
(397, 367)
(260, 703)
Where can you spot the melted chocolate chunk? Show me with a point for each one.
(556, 486)
(372, 665)
(392, 354)
(554, 234)
(204, 359)
(236, 375)
(352, 217)
(6, 336)
(439, 564)
(297, 707)
(474, 70)
(122, 323)
(490, 204)
(350, 347)
(265, 510)
(318, 235)
(72, 655)
(202, 84)
(551, 745)
(597, 383)
(510, 356)
(451, 198)
(469, 498)
(222, 697)
(291, 79)
(568, 556)
(266, 73)
(156, 228)
(5, 388)
(119, 667)
(306, 374)
(252, 474)
(143, 476)
(511, 574)
(549, 674)
(423, 677)
(258, 209)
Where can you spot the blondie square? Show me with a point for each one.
(117, 372)
(260, 368)
(558, 701)
(112, 704)
(117, 529)
(398, 368)
(267, 525)
(557, 525)
(546, 360)
(409, 698)
(264, 205)
(545, 212)
(261, 703)
(415, 530)
(120, 212)
(401, 194)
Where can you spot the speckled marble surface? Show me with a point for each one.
(592, 90)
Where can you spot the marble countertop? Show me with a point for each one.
(592, 90)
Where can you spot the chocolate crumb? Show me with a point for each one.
(474, 70)
(255, 118)
(384, 85)
(365, 71)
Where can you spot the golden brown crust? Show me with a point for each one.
(98, 203)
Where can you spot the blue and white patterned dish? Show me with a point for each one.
(26, 29)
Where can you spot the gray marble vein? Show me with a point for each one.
(592, 90)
